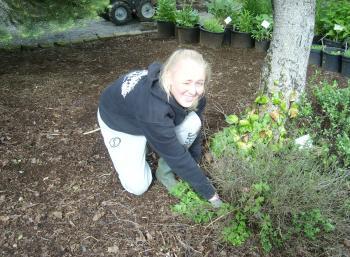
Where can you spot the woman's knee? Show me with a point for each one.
(134, 185)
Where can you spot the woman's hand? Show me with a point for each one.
(215, 201)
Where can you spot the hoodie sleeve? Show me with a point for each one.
(162, 138)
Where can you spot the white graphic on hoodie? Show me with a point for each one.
(131, 80)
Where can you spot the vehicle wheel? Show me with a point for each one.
(145, 10)
(120, 13)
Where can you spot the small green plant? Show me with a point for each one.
(221, 9)
(213, 25)
(244, 22)
(335, 52)
(256, 126)
(165, 10)
(258, 7)
(237, 232)
(187, 17)
(191, 205)
(259, 32)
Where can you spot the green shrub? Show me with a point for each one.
(221, 9)
(165, 10)
(332, 13)
(213, 25)
(258, 7)
(259, 32)
(283, 198)
(325, 115)
(347, 53)
(244, 22)
(187, 17)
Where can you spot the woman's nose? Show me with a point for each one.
(193, 89)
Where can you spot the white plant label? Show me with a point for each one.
(228, 20)
(338, 27)
(304, 141)
(265, 24)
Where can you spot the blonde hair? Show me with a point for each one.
(172, 61)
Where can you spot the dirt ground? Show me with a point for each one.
(59, 194)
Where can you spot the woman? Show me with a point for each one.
(161, 106)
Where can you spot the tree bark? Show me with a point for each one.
(286, 62)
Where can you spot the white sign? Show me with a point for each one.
(228, 20)
(265, 24)
(304, 141)
(338, 27)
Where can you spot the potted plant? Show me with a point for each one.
(331, 58)
(262, 32)
(315, 56)
(187, 20)
(165, 17)
(345, 65)
(211, 33)
(241, 35)
(222, 9)
(335, 24)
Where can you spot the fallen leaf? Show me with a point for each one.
(57, 214)
(98, 215)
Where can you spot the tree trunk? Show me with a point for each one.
(286, 62)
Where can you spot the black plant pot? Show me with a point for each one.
(331, 43)
(317, 40)
(166, 29)
(315, 57)
(241, 39)
(227, 35)
(330, 61)
(210, 39)
(262, 46)
(188, 35)
(345, 66)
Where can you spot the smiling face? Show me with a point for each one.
(187, 82)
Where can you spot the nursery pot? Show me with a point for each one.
(330, 61)
(241, 39)
(262, 45)
(345, 66)
(166, 29)
(315, 57)
(210, 39)
(188, 35)
(331, 43)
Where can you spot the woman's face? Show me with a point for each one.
(187, 82)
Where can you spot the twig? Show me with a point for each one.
(186, 246)
(91, 131)
(218, 218)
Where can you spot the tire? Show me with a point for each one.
(145, 10)
(120, 13)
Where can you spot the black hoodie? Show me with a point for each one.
(137, 105)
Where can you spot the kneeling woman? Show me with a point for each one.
(162, 106)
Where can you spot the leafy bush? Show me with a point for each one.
(187, 17)
(165, 10)
(244, 22)
(221, 9)
(258, 7)
(259, 32)
(325, 115)
(213, 25)
(334, 13)
(283, 198)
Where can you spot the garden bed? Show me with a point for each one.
(59, 194)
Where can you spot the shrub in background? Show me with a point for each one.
(165, 10)
(259, 32)
(221, 9)
(325, 115)
(213, 25)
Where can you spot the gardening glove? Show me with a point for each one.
(216, 201)
(165, 176)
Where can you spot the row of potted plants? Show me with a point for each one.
(331, 58)
(219, 28)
